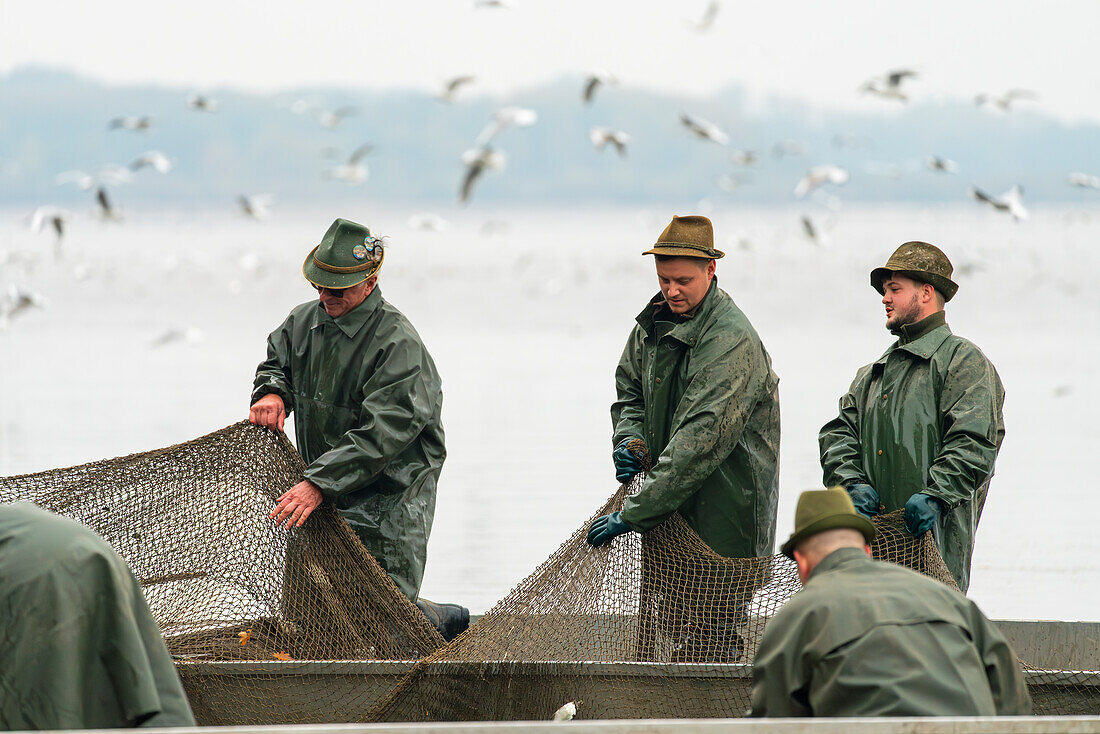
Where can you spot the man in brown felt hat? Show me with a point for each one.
(920, 428)
(856, 640)
(696, 385)
(367, 399)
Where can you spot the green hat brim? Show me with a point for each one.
(945, 286)
(684, 250)
(326, 279)
(853, 521)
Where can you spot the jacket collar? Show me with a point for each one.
(912, 332)
(351, 322)
(923, 347)
(687, 330)
(839, 558)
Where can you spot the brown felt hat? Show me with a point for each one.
(347, 256)
(919, 261)
(825, 509)
(691, 236)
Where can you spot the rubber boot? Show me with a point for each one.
(450, 619)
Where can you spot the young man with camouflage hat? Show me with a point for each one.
(871, 638)
(368, 399)
(921, 426)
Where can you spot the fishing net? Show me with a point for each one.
(225, 584)
(270, 626)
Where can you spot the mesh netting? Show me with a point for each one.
(652, 626)
(225, 584)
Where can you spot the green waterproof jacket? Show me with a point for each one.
(367, 400)
(925, 417)
(869, 638)
(702, 395)
(80, 648)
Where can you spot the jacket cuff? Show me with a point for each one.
(269, 389)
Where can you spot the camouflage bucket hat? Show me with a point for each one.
(691, 236)
(825, 509)
(347, 256)
(919, 261)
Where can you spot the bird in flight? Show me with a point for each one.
(478, 160)
(107, 209)
(1005, 101)
(152, 159)
(888, 86)
(1010, 202)
(1083, 180)
(939, 164)
(137, 124)
(503, 119)
(452, 86)
(818, 176)
(706, 22)
(593, 82)
(602, 136)
(202, 103)
(254, 206)
(354, 170)
(704, 129)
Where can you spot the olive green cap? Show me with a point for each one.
(691, 236)
(919, 261)
(347, 256)
(825, 509)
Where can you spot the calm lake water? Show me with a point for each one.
(526, 314)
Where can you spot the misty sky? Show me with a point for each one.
(821, 51)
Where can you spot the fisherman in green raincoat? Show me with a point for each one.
(920, 427)
(870, 638)
(368, 399)
(80, 648)
(696, 385)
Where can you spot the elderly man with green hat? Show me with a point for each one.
(367, 399)
(696, 385)
(856, 640)
(920, 427)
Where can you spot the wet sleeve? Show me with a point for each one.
(838, 441)
(721, 393)
(399, 399)
(1002, 668)
(780, 684)
(628, 410)
(273, 374)
(971, 425)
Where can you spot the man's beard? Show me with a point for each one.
(903, 317)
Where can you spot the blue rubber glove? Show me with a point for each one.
(606, 527)
(865, 498)
(626, 463)
(921, 512)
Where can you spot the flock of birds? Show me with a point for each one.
(484, 155)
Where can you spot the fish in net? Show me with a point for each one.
(243, 604)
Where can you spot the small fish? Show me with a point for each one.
(566, 712)
(280, 656)
(245, 636)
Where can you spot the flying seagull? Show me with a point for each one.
(1083, 180)
(141, 123)
(107, 210)
(327, 118)
(1010, 202)
(55, 218)
(1004, 102)
(889, 84)
(593, 82)
(705, 23)
(940, 164)
(452, 85)
(503, 119)
(110, 174)
(566, 712)
(254, 206)
(818, 176)
(16, 301)
(813, 231)
(704, 129)
(354, 171)
(478, 160)
(601, 136)
(188, 334)
(202, 103)
(152, 159)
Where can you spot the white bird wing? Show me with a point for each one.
(1014, 202)
(359, 153)
(566, 712)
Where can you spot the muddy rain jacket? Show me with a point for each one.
(870, 638)
(367, 400)
(925, 417)
(702, 395)
(80, 648)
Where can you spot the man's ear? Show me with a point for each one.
(712, 267)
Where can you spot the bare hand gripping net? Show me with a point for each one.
(225, 584)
